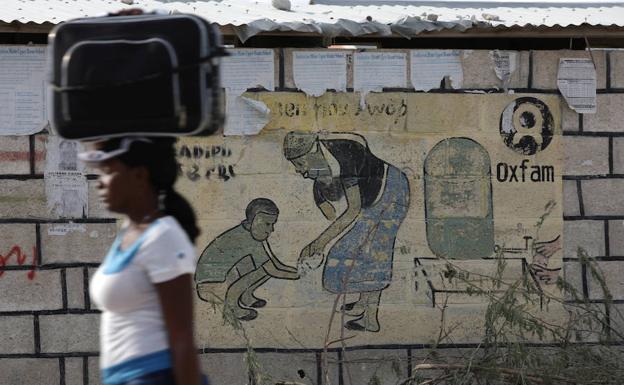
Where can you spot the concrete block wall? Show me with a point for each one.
(48, 327)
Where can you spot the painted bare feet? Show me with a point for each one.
(354, 309)
(241, 313)
(250, 300)
(251, 314)
(364, 323)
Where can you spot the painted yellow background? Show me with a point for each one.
(401, 128)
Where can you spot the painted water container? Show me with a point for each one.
(458, 200)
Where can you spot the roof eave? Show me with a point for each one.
(527, 31)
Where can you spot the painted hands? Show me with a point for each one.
(539, 266)
(547, 249)
(545, 275)
(311, 257)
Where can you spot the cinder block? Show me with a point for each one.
(16, 335)
(618, 155)
(22, 198)
(224, 368)
(569, 118)
(442, 355)
(546, 67)
(446, 354)
(88, 242)
(617, 321)
(74, 279)
(570, 198)
(330, 366)
(22, 235)
(611, 273)
(599, 194)
(375, 366)
(609, 116)
(289, 367)
(14, 155)
(94, 371)
(27, 371)
(40, 152)
(588, 235)
(573, 277)
(586, 322)
(74, 371)
(617, 68)
(585, 155)
(616, 238)
(479, 72)
(19, 293)
(69, 333)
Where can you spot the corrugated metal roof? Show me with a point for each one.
(406, 18)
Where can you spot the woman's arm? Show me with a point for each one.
(354, 206)
(275, 267)
(177, 306)
(328, 210)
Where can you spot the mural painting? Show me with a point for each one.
(242, 259)
(375, 213)
(363, 235)
(458, 200)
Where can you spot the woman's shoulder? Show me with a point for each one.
(167, 231)
(166, 238)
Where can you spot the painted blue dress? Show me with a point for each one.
(361, 260)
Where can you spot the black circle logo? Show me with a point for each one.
(526, 125)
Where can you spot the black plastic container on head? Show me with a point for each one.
(149, 75)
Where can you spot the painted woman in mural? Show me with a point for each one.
(363, 235)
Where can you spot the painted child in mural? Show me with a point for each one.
(242, 259)
(363, 235)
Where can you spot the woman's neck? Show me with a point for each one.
(150, 217)
(144, 212)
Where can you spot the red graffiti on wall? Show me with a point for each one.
(20, 257)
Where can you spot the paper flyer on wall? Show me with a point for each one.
(22, 90)
(576, 80)
(62, 229)
(62, 155)
(244, 116)
(430, 67)
(374, 71)
(315, 72)
(248, 68)
(66, 194)
(505, 64)
(243, 69)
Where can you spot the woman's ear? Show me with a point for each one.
(141, 174)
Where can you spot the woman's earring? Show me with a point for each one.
(162, 195)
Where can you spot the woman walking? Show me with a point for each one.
(143, 286)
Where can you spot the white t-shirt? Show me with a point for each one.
(133, 337)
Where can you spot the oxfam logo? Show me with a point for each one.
(526, 125)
